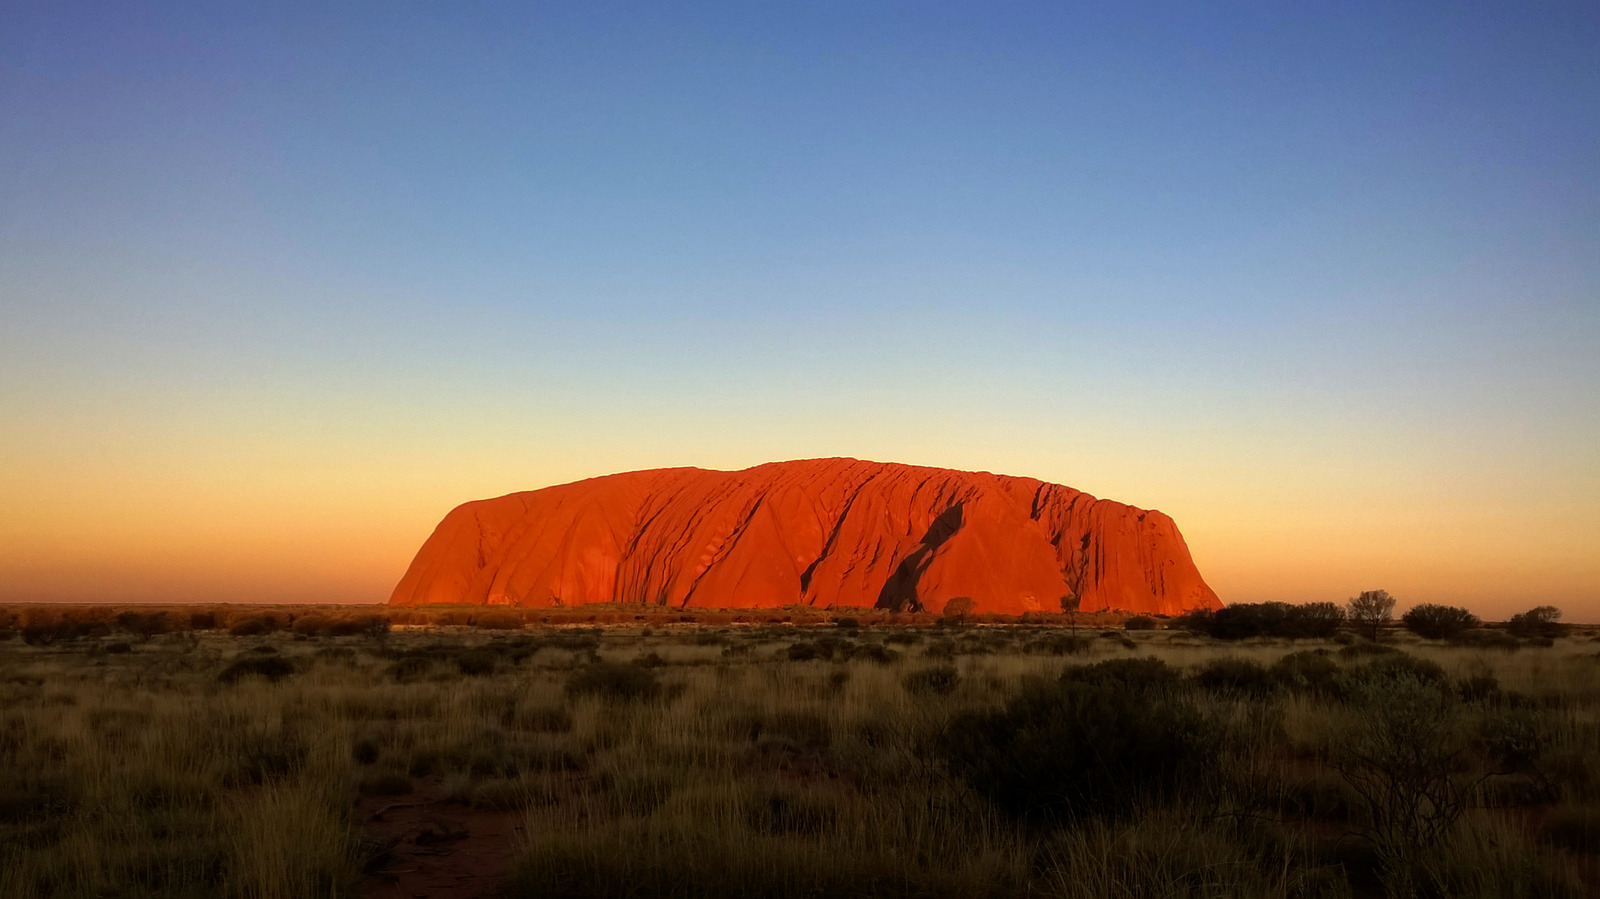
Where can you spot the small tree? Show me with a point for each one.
(1436, 622)
(959, 608)
(1407, 763)
(1069, 605)
(1543, 621)
(1372, 610)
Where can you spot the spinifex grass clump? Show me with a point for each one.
(1102, 741)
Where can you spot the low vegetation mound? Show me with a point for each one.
(1436, 622)
(1266, 619)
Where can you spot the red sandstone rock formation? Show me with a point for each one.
(825, 532)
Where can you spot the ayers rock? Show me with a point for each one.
(824, 532)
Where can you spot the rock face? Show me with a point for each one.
(824, 532)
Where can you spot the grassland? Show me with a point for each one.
(264, 752)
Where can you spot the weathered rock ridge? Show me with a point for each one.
(824, 532)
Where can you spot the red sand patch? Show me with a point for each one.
(439, 848)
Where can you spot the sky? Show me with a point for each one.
(281, 284)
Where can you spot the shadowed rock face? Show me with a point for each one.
(825, 532)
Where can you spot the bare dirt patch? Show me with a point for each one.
(437, 847)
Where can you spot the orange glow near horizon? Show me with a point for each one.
(302, 530)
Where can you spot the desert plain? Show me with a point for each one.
(624, 750)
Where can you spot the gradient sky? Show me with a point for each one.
(280, 286)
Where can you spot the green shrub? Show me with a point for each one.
(614, 681)
(1437, 622)
(1081, 748)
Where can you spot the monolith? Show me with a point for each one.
(822, 532)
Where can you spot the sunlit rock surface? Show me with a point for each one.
(823, 532)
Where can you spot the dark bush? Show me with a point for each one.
(202, 621)
(1543, 622)
(144, 624)
(1357, 648)
(1436, 622)
(1390, 668)
(1196, 621)
(1479, 687)
(1137, 674)
(573, 641)
(805, 652)
(1240, 677)
(1060, 645)
(847, 623)
(118, 648)
(939, 679)
(1078, 748)
(1139, 623)
(1314, 620)
(351, 625)
(614, 681)
(1309, 671)
(410, 668)
(1266, 619)
(498, 620)
(1244, 620)
(875, 652)
(44, 631)
(311, 625)
(1484, 638)
(272, 667)
(958, 609)
(252, 626)
(477, 662)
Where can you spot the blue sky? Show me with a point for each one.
(1322, 281)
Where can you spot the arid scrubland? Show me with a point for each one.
(250, 757)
